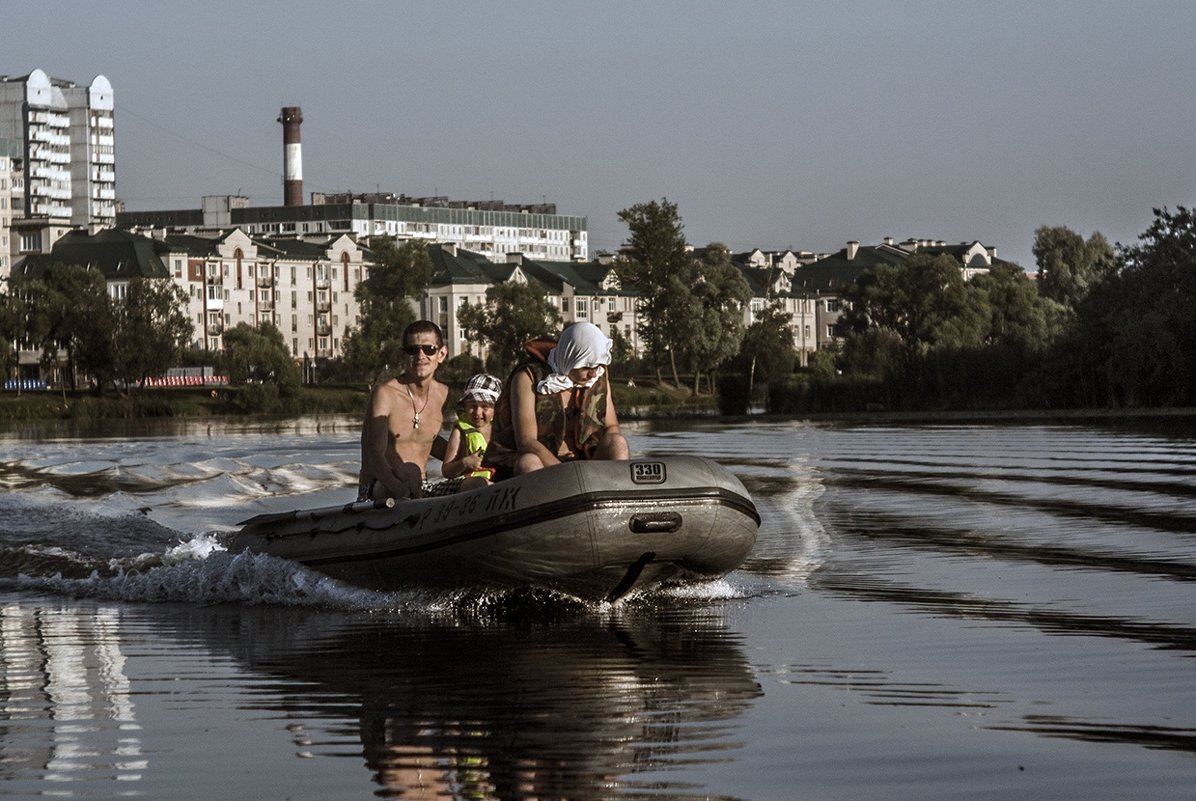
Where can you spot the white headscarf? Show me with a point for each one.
(580, 345)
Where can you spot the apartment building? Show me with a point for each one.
(67, 142)
(10, 178)
(304, 287)
(581, 291)
(491, 228)
(810, 285)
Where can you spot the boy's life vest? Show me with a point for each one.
(475, 442)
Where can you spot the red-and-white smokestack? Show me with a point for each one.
(292, 156)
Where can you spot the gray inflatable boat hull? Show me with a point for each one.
(594, 530)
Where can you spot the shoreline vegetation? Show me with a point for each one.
(644, 401)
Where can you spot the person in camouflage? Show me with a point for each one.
(557, 406)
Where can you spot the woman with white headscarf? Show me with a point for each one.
(557, 406)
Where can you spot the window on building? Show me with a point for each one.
(582, 308)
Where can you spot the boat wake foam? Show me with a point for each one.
(201, 571)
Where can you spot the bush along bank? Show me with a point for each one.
(182, 402)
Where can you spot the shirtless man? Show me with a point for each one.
(402, 424)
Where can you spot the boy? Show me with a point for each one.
(471, 433)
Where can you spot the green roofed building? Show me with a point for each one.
(579, 290)
(118, 255)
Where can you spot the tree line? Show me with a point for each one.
(690, 308)
(105, 342)
(1102, 326)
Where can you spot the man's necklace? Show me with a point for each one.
(419, 411)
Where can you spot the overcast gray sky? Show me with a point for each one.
(772, 125)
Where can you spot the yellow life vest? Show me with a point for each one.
(475, 442)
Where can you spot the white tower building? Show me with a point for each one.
(68, 144)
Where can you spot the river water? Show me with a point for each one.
(931, 612)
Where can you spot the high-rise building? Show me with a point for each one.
(67, 143)
(10, 178)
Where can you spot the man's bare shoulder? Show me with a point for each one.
(383, 396)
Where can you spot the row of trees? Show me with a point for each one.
(1102, 326)
(691, 308)
(113, 341)
(118, 342)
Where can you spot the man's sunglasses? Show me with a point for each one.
(413, 350)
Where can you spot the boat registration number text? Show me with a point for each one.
(647, 472)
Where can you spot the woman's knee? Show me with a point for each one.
(613, 446)
(527, 462)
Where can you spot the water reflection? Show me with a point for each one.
(65, 702)
(879, 688)
(540, 707)
(967, 606)
(1148, 736)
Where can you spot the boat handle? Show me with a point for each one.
(655, 522)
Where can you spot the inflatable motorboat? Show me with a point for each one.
(592, 529)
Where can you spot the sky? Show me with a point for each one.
(770, 124)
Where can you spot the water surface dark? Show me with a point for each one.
(931, 612)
